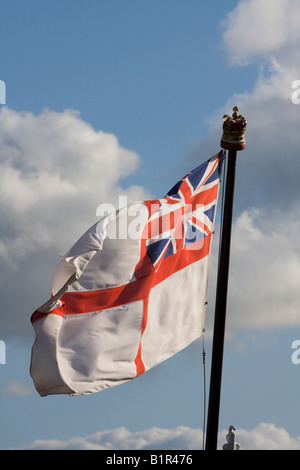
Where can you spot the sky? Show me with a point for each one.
(122, 98)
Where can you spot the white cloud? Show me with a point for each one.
(266, 436)
(180, 437)
(257, 29)
(263, 289)
(265, 271)
(55, 171)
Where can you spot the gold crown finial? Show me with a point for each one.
(234, 128)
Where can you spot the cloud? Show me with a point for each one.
(255, 29)
(266, 436)
(265, 271)
(55, 168)
(263, 289)
(121, 439)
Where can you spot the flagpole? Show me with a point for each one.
(232, 140)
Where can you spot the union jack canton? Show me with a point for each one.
(185, 216)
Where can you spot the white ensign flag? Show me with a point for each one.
(130, 293)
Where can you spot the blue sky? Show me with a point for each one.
(154, 78)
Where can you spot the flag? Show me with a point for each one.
(130, 293)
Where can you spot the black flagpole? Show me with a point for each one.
(232, 140)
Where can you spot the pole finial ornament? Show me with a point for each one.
(234, 128)
(231, 440)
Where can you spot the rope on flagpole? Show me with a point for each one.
(204, 392)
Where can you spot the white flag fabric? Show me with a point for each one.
(130, 293)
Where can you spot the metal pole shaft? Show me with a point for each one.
(220, 309)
